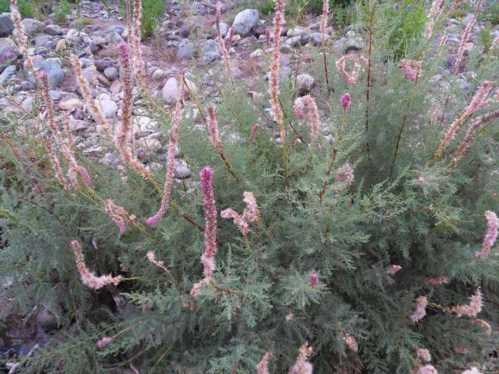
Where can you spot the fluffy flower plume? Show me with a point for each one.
(490, 235)
(213, 132)
(263, 366)
(478, 100)
(344, 176)
(302, 366)
(223, 44)
(151, 257)
(170, 160)
(20, 34)
(92, 105)
(124, 136)
(472, 309)
(393, 269)
(275, 69)
(471, 134)
(351, 343)
(88, 278)
(411, 69)
(420, 311)
(350, 66)
(423, 354)
(484, 325)
(250, 214)
(104, 342)
(472, 370)
(305, 107)
(56, 165)
(437, 281)
(135, 37)
(427, 369)
(346, 101)
(435, 12)
(324, 19)
(210, 229)
(118, 215)
(313, 279)
(463, 43)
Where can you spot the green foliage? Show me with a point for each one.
(62, 10)
(404, 207)
(152, 11)
(486, 38)
(407, 19)
(25, 7)
(491, 14)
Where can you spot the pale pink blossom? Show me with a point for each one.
(118, 215)
(420, 311)
(490, 235)
(350, 66)
(427, 369)
(435, 12)
(239, 221)
(250, 214)
(423, 354)
(88, 278)
(463, 44)
(314, 279)
(170, 160)
(263, 366)
(411, 69)
(472, 370)
(351, 343)
(393, 269)
(472, 309)
(437, 281)
(346, 101)
(324, 20)
(344, 176)
(302, 366)
(151, 257)
(213, 132)
(305, 107)
(104, 342)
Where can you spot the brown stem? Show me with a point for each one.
(369, 73)
(328, 174)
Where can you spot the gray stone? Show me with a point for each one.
(47, 320)
(6, 25)
(245, 21)
(32, 26)
(54, 30)
(8, 73)
(210, 51)
(185, 50)
(111, 73)
(43, 40)
(8, 51)
(52, 67)
(169, 91)
(158, 74)
(149, 146)
(107, 105)
(182, 171)
(304, 83)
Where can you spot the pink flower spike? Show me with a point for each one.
(420, 311)
(423, 354)
(490, 235)
(393, 269)
(263, 365)
(104, 342)
(427, 369)
(314, 279)
(346, 101)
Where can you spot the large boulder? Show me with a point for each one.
(53, 68)
(8, 52)
(245, 21)
(6, 25)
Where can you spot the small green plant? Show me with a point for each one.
(25, 7)
(62, 10)
(486, 38)
(152, 11)
(491, 14)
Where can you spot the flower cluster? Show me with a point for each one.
(119, 215)
(435, 12)
(306, 107)
(350, 67)
(411, 69)
(420, 311)
(250, 214)
(88, 278)
(302, 366)
(151, 257)
(472, 309)
(263, 366)
(490, 235)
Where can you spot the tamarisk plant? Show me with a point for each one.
(297, 254)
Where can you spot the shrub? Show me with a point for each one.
(351, 241)
(152, 11)
(25, 7)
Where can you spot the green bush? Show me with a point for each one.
(355, 225)
(62, 10)
(25, 7)
(152, 12)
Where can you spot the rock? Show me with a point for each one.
(108, 106)
(290, 43)
(149, 146)
(54, 30)
(103, 63)
(144, 126)
(43, 40)
(210, 51)
(169, 91)
(111, 73)
(224, 29)
(8, 51)
(257, 53)
(185, 50)
(304, 83)
(6, 25)
(52, 67)
(352, 41)
(110, 159)
(61, 45)
(47, 320)
(8, 73)
(70, 104)
(245, 21)
(158, 74)
(32, 26)
(182, 171)
(316, 38)
(296, 31)
(27, 104)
